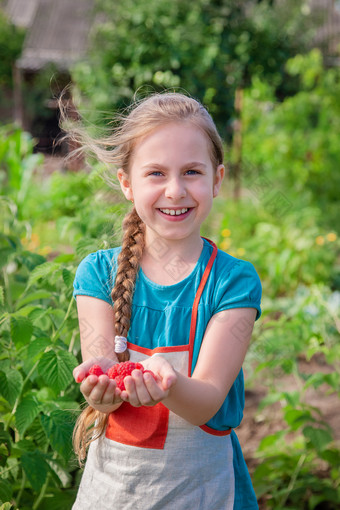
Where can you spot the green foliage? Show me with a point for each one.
(38, 398)
(39, 337)
(17, 163)
(294, 143)
(297, 466)
(11, 41)
(208, 49)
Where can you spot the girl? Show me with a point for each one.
(171, 300)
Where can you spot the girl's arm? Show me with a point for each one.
(197, 399)
(96, 324)
(97, 335)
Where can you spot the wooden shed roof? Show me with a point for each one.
(57, 31)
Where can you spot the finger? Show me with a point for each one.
(99, 389)
(79, 373)
(154, 389)
(142, 392)
(130, 393)
(88, 384)
(109, 394)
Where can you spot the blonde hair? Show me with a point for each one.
(116, 151)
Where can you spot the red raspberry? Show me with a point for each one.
(120, 382)
(126, 368)
(113, 371)
(120, 370)
(95, 370)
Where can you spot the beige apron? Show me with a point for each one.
(152, 459)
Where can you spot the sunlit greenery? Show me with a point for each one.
(284, 222)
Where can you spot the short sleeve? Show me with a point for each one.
(241, 288)
(94, 277)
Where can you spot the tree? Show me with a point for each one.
(208, 49)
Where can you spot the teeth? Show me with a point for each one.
(174, 212)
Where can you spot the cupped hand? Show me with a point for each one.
(80, 372)
(142, 389)
(101, 393)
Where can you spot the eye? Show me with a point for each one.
(155, 173)
(193, 172)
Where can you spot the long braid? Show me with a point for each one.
(128, 265)
(91, 424)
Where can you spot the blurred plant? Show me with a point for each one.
(17, 164)
(38, 330)
(298, 465)
(295, 143)
(39, 342)
(208, 50)
(11, 41)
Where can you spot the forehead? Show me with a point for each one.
(173, 139)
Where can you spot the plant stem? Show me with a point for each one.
(293, 479)
(8, 290)
(4, 318)
(22, 486)
(56, 334)
(18, 397)
(73, 337)
(42, 493)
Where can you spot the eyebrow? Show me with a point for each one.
(191, 164)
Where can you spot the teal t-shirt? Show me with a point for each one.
(161, 316)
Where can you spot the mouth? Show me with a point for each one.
(175, 212)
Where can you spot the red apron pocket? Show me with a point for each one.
(146, 427)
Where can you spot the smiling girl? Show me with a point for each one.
(169, 299)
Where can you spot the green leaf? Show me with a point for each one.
(42, 271)
(68, 277)
(25, 414)
(21, 330)
(6, 492)
(33, 296)
(35, 467)
(59, 473)
(6, 506)
(332, 456)
(319, 438)
(271, 440)
(10, 385)
(2, 296)
(58, 427)
(37, 347)
(86, 246)
(295, 418)
(5, 439)
(56, 368)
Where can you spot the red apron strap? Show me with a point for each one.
(196, 303)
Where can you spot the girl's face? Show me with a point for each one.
(172, 181)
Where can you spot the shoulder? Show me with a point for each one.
(101, 260)
(230, 267)
(95, 274)
(236, 283)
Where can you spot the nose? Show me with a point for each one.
(175, 188)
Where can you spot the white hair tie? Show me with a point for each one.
(120, 344)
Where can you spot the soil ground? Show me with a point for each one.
(258, 424)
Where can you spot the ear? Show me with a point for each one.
(125, 184)
(218, 178)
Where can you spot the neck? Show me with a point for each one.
(170, 261)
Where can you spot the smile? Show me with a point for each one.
(174, 212)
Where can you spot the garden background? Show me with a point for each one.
(274, 91)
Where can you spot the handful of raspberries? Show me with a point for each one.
(119, 371)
